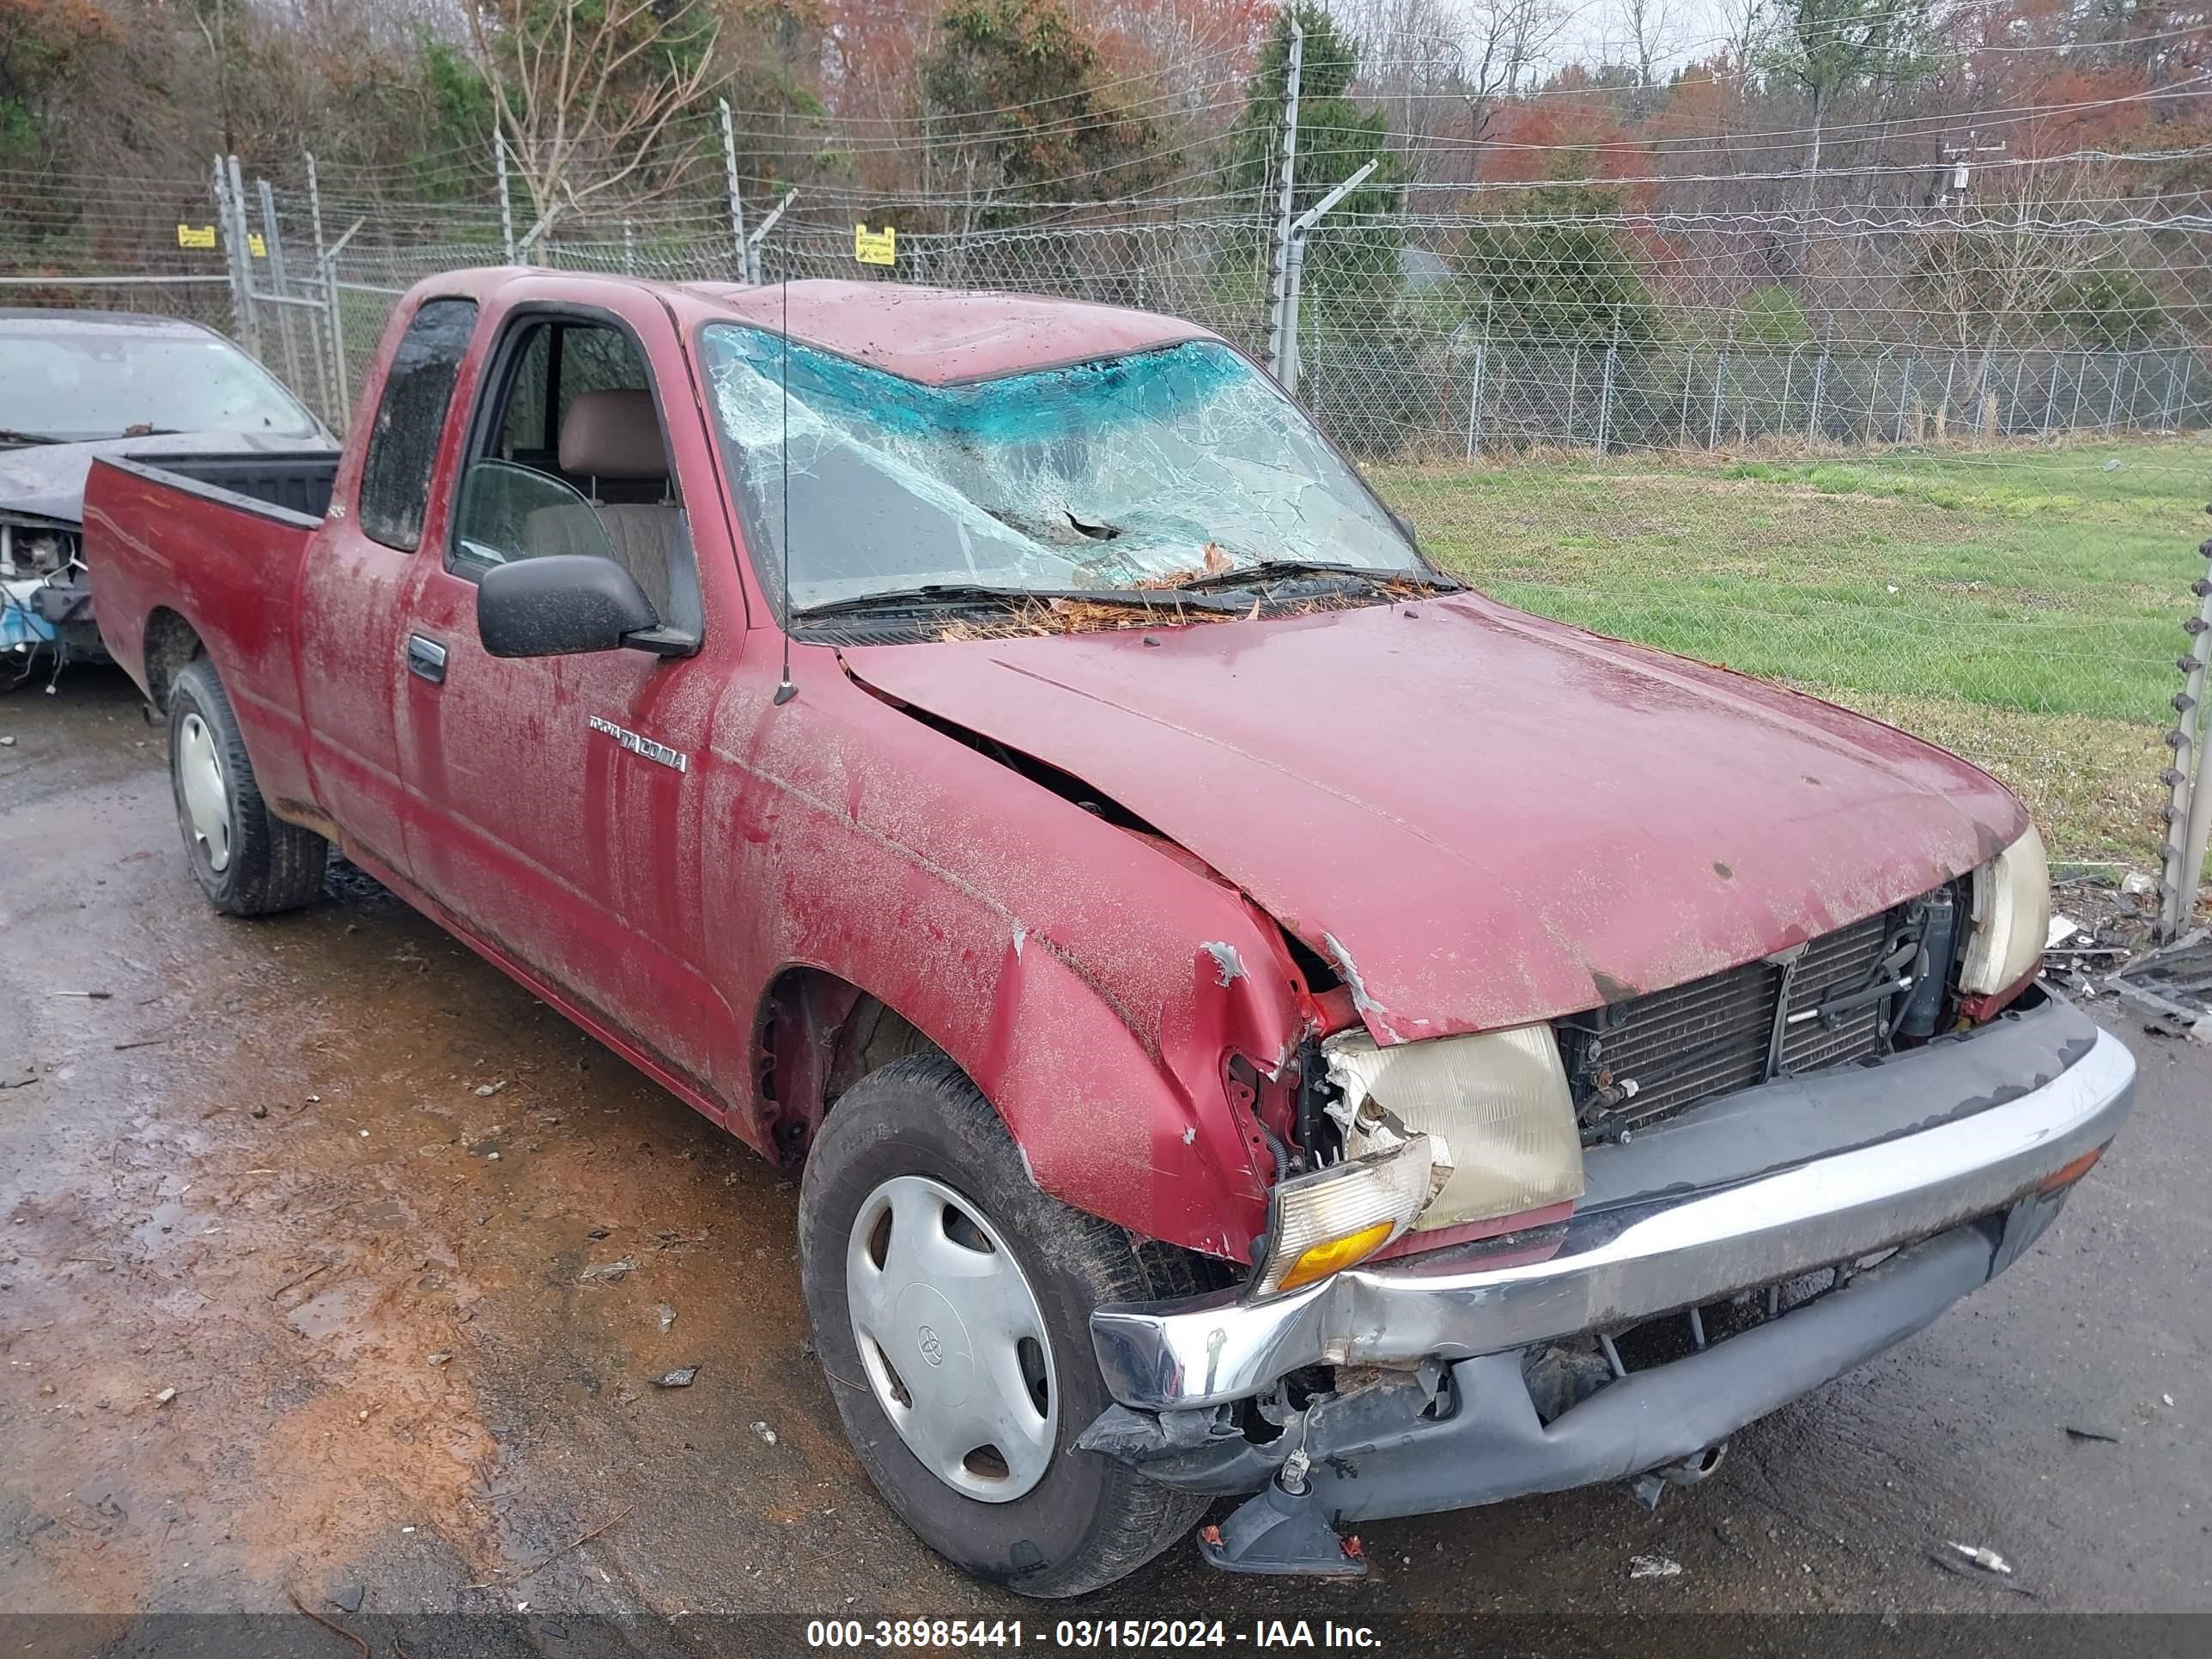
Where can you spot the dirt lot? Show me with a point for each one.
(346, 1190)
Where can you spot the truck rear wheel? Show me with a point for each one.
(950, 1306)
(248, 861)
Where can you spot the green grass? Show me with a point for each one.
(2022, 606)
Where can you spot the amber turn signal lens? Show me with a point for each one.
(2066, 1175)
(1323, 1260)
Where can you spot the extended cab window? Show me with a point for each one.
(570, 459)
(402, 441)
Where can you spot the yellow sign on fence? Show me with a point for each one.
(875, 247)
(195, 236)
(255, 246)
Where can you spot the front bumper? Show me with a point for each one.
(1984, 1143)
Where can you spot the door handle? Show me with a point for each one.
(426, 658)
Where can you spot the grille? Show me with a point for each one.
(1712, 1036)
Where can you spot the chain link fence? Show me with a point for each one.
(1942, 466)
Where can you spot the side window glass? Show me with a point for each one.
(509, 512)
(525, 438)
(600, 483)
(598, 360)
(403, 440)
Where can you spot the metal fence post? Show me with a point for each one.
(1905, 394)
(760, 235)
(329, 370)
(1301, 234)
(745, 272)
(1282, 338)
(1682, 415)
(1605, 392)
(240, 230)
(629, 248)
(2188, 807)
(1820, 383)
(1720, 386)
(1474, 394)
(274, 243)
(233, 251)
(2112, 402)
(505, 203)
(326, 269)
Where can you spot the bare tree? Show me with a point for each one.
(1743, 25)
(1646, 38)
(1444, 67)
(584, 95)
(1506, 41)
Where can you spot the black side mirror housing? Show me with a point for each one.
(561, 604)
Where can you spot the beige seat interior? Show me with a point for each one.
(614, 437)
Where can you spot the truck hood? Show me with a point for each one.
(47, 481)
(1480, 817)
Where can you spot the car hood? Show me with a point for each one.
(47, 481)
(1482, 817)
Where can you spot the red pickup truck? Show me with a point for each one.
(1254, 1016)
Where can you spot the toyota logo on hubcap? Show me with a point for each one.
(933, 1350)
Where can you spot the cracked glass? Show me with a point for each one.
(1136, 470)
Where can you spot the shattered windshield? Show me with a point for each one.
(1134, 470)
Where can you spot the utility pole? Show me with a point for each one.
(1961, 189)
(1282, 341)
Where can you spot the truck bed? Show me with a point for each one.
(297, 484)
(208, 549)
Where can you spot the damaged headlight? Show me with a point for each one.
(1496, 1105)
(2011, 918)
(1436, 1133)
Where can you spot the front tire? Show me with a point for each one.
(951, 1301)
(248, 861)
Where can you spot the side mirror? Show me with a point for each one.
(560, 604)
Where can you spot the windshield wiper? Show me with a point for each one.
(8, 437)
(1252, 575)
(932, 596)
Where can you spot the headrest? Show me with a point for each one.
(612, 434)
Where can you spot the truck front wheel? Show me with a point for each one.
(950, 1304)
(248, 861)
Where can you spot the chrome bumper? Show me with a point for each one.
(1614, 1267)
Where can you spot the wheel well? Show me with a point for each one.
(816, 1035)
(171, 642)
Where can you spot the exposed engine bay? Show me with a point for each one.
(46, 597)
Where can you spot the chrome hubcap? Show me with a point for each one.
(951, 1339)
(207, 796)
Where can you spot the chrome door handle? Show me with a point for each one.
(426, 658)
